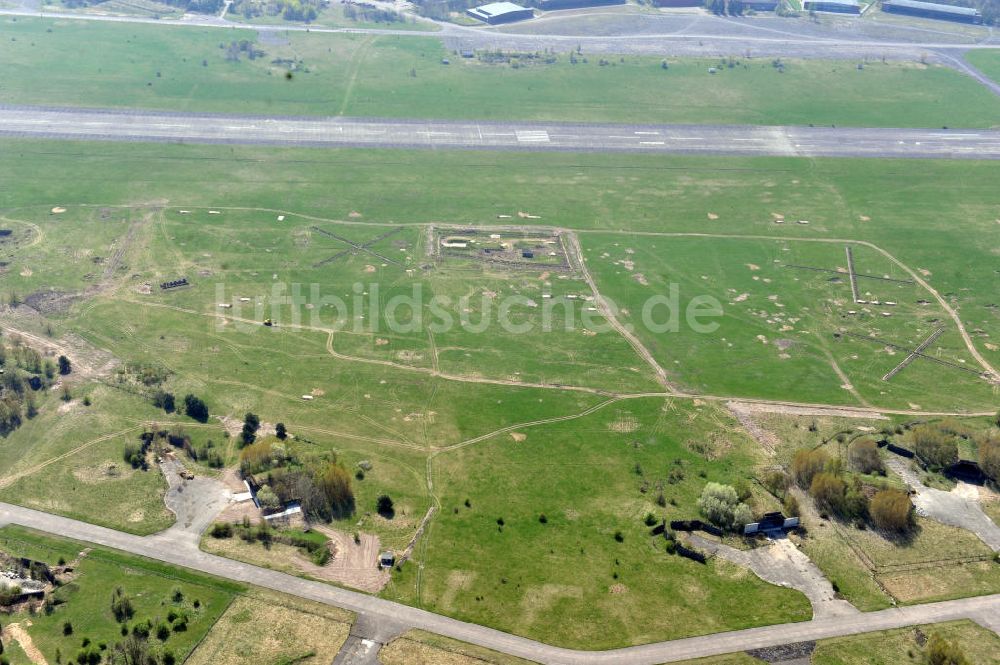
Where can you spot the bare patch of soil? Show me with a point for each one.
(102, 472)
(353, 564)
(15, 631)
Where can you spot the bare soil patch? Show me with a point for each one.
(354, 564)
(102, 472)
(16, 632)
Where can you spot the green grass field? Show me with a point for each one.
(590, 478)
(518, 424)
(185, 69)
(988, 61)
(85, 602)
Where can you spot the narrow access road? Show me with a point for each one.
(377, 609)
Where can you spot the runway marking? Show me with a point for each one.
(532, 136)
(651, 143)
(647, 133)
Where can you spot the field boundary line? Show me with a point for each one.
(602, 305)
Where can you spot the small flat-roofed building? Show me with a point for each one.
(500, 12)
(832, 6)
(933, 10)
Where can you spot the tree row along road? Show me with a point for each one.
(342, 132)
(157, 547)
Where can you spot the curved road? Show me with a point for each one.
(173, 127)
(169, 548)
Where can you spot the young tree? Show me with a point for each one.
(280, 431)
(335, 484)
(195, 408)
(385, 507)
(989, 458)
(806, 464)
(164, 400)
(791, 506)
(251, 423)
(864, 457)
(829, 492)
(268, 499)
(720, 504)
(65, 367)
(121, 606)
(942, 652)
(936, 448)
(891, 510)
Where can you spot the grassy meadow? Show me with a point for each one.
(486, 407)
(187, 69)
(555, 496)
(154, 589)
(987, 60)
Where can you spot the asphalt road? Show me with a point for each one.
(109, 125)
(982, 609)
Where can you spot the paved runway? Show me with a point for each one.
(108, 125)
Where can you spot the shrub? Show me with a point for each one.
(864, 457)
(829, 492)
(334, 484)
(891, 510)
(806, 464)
(281, 431)
(743, 489)
(164, 400)
(942, 652)
(619, 537)
(121, 606)
(720, 505)
(163, 632)
(936, 448)
(222, 530)
(791, 506)
(385, 507)
(989, 458)
(251, 423)
(195, 408)
(268, 499)
(776, 482)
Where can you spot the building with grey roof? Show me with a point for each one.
(832, 6)
(933, 10)
(500, 12)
